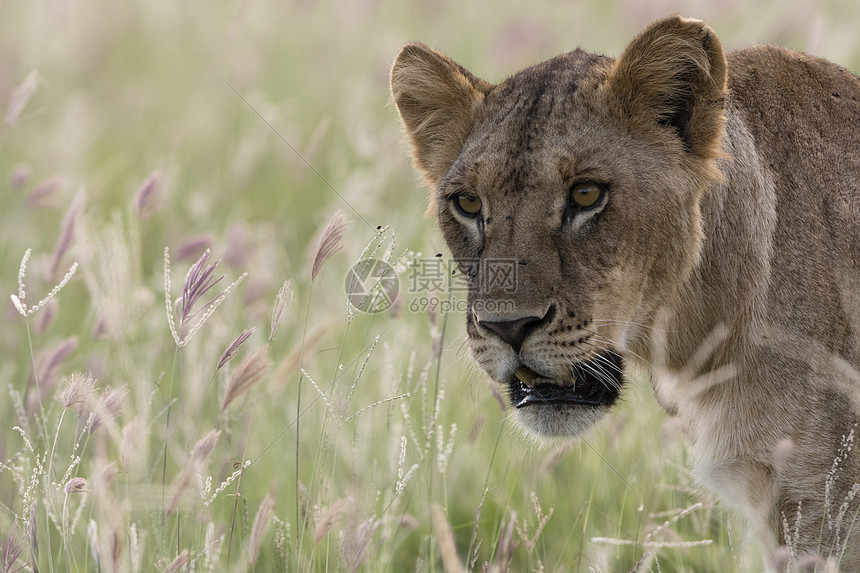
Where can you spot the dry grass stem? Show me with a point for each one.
(33, 533)
(445, 537)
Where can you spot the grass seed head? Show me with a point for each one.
(204, 447)
(78, 391)
(44, 194)
(357, 538)
(188, 250)
(330, 242)
(20, 176)
(21, 97)
(19, 299)
(10, 551)
(133, 448)
(68, 233)
(258, 530)
(283, 300)
(234, 348)
(109, 407)
(199, 280)
(179, 563)
(46, 371)
(75, 485)
(145, 202)
(249, 372)
(330, 517)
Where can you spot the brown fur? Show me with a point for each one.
(723, 257)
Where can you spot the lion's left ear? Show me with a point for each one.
(673, 77)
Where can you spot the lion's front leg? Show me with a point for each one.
(817, 505)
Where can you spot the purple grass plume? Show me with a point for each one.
(10, 552)
(145, 202)
(199, 281)
(234, 348)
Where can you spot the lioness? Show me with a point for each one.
(677, 209)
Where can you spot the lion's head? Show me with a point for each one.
(569, 195)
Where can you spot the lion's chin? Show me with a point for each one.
(558, 421)
(549, 409)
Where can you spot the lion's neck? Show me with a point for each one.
(721, 308)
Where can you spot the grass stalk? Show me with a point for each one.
(176, 361)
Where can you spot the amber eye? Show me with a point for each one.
(468, 205)
(586, 195)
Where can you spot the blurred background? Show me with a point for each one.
(243, 127)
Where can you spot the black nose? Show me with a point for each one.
(514, 331)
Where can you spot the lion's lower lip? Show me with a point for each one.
(598, 382)
(549, 393)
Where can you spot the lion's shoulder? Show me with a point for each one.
(788, 97)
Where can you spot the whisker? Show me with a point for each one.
(614, 345)
(597, 370)
(596, 366)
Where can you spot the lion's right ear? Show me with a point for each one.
(437, 100)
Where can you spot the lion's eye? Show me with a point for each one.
(468, 205)
(586, 195)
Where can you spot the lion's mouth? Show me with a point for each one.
(597, 383)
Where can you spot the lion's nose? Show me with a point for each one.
(514, 331)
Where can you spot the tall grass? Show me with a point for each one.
(170, 416)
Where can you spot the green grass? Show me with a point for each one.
(262, 119)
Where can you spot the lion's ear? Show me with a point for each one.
(437, 100)
(673, 76)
